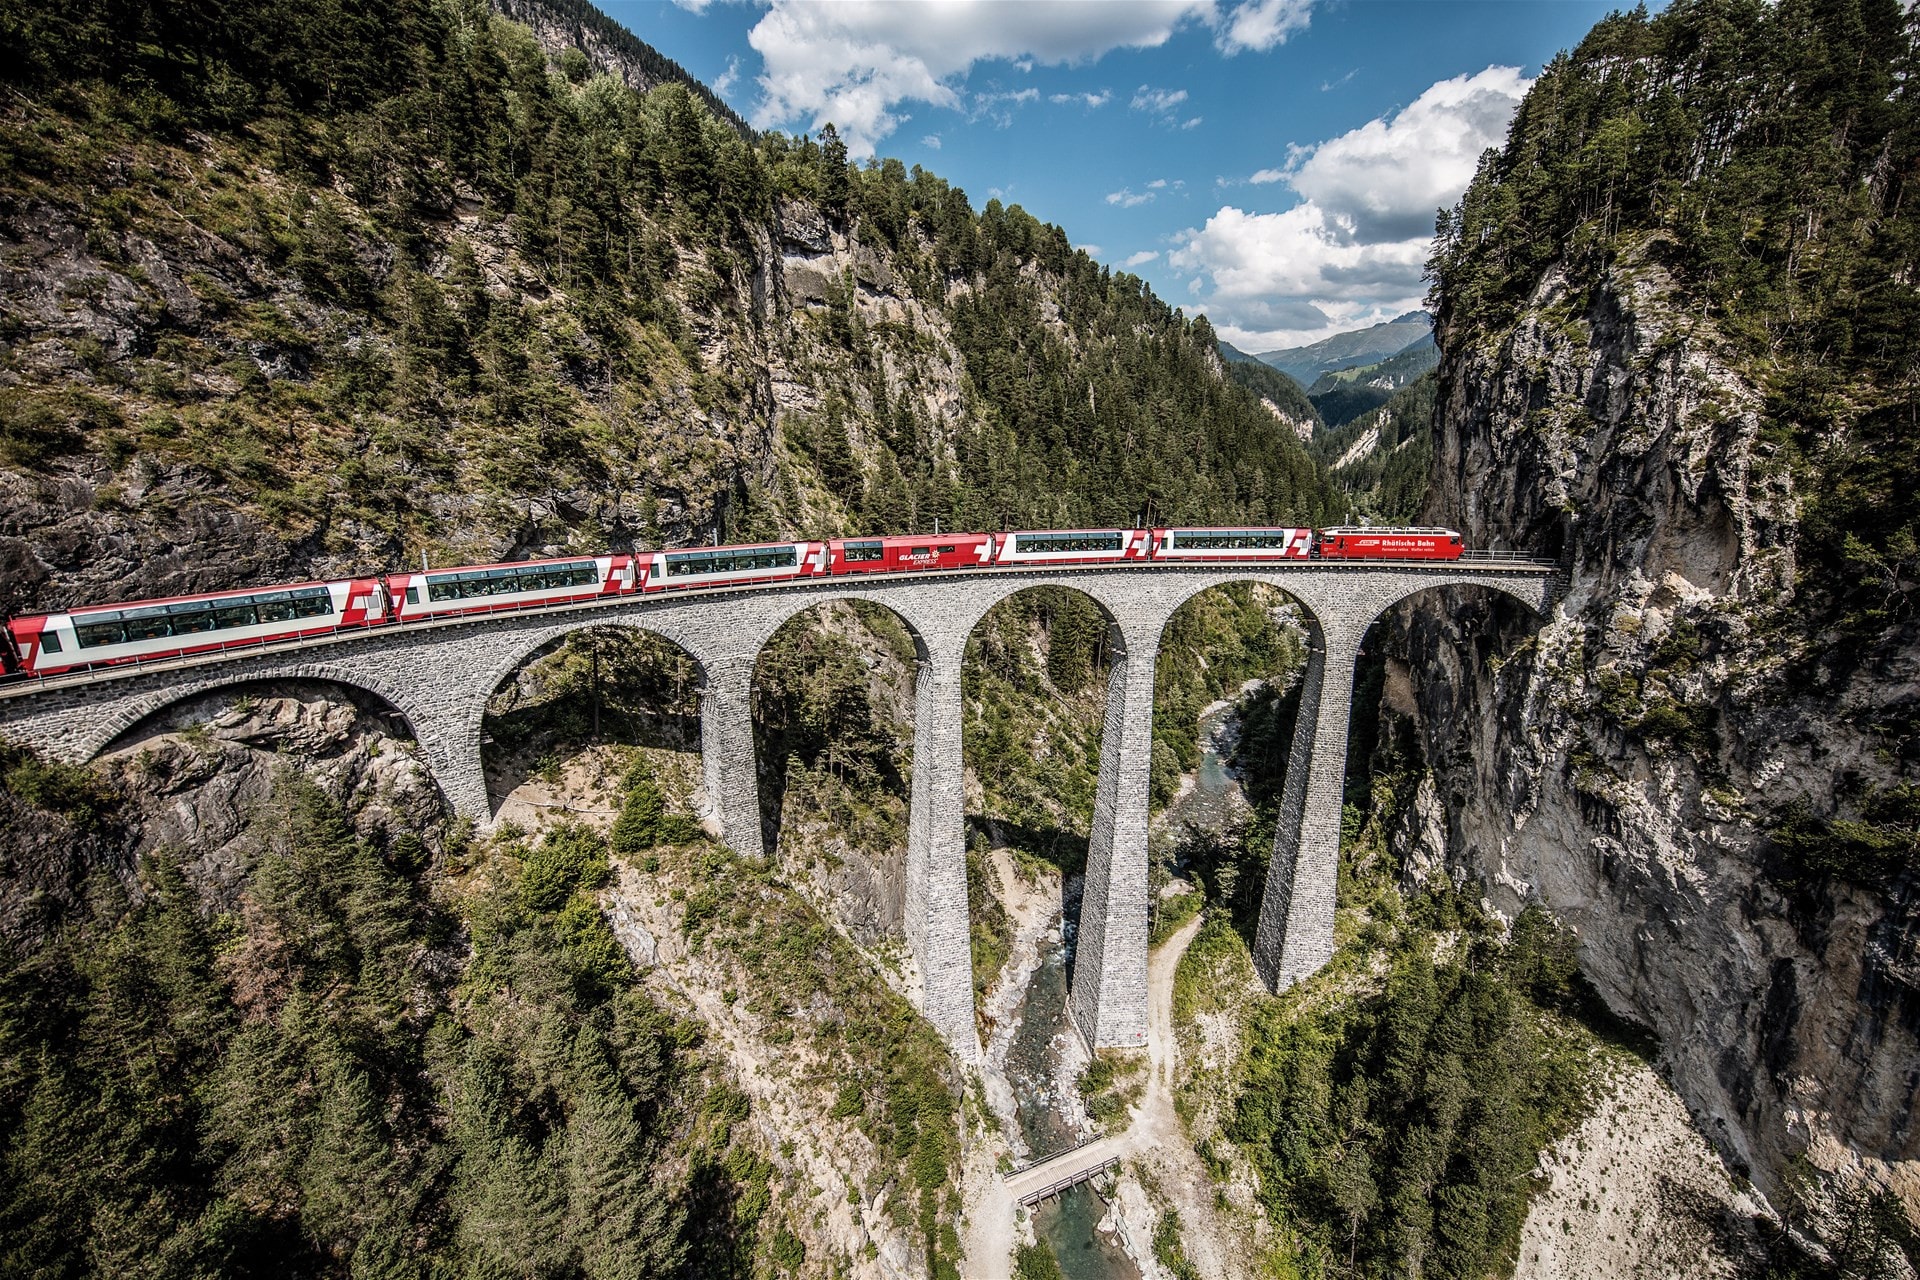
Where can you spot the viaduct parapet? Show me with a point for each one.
(441, 676)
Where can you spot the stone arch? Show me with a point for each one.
(129, 713)
(1294, 937)
(431, 730)
(891, 637)
(1108, 964)
(511, 662)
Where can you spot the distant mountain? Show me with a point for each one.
(1234, 355)
(1396, 371)
(1279, 394)
(1345, 350)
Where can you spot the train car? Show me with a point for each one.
(1071, 546)
(1387, 544)
(1232, 544)
(733, 566)
(896, 555)
(523, 584)
(142, 630)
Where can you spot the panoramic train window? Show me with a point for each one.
(49, 642)
(1058, 543)
(1230, 540)
(863, 551)
(745, 560)
(509, 580)
(194, 617)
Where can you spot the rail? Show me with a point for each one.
(27, 683)
(1071, 1180)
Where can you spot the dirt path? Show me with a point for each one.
(1157, 1142)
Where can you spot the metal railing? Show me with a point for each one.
(1071, 1180)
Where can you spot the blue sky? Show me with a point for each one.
(1273, 163)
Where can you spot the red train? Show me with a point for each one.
(147, 629)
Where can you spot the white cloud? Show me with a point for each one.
(1353, 250)
(999, 106)
(1157, 101)
(1091, 250)
(1157, 184)
(694, 6)
(1261, 24)
(1091, 101)
(1194, 123)
(853, 62)
(1127, 198)
(1328, 86)
(1387, 177)
(1142, 258)
(931, 141)
(724, 82)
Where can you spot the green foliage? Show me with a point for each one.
(1034, 745)
(1269, 383)
(1211, 647)
(76, 794)
(1167, 1249)
(991, 929)
(378, 154)
(322, 1082)
(1757, 155)
(815, 704)
(1112, 1083)
(1873, 848)
(1389, 485)
(638, 828)
(808, 983)
(569, 859)
(1170, 913)
(1395, 1135)
(621, 685)
(1036, 1262)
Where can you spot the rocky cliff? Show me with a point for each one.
(1702, 763)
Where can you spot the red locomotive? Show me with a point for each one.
(147, 629)
(894, 555)
(1387, 544)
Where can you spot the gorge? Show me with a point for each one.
(302, 291)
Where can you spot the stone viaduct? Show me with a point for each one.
(440, 676)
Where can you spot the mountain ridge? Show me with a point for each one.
(1353, 347)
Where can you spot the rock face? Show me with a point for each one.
(196, 780)
(1627, 769)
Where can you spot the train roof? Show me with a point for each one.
(890, 538)
(233, 594)
(1389, 529)
(513, 564)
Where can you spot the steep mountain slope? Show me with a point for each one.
(1678, 314)
(1383, 459)
(345, 307)
(1344, 350)
(1346, 394)
(1280, 394)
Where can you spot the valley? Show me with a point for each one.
(1618, 880)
